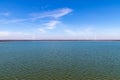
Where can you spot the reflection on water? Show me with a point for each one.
(45, 60)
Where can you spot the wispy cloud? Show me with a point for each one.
(10, 21)
(51, 24)
(41, 30)
(52, 14)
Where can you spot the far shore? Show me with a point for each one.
(53, 40)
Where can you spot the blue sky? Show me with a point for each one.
(59, 19)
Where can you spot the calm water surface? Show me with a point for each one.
(60, 60)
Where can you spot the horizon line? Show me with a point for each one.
(59, 40)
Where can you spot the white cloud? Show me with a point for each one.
(55, 14)
(10, 21)
(51, 24)
(42, 30)
(52, 14)
(48, 26)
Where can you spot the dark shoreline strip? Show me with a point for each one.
(53, 40)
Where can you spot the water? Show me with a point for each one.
(60, 60)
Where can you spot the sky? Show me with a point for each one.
(59, 19)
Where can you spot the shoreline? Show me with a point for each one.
(56, 40)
